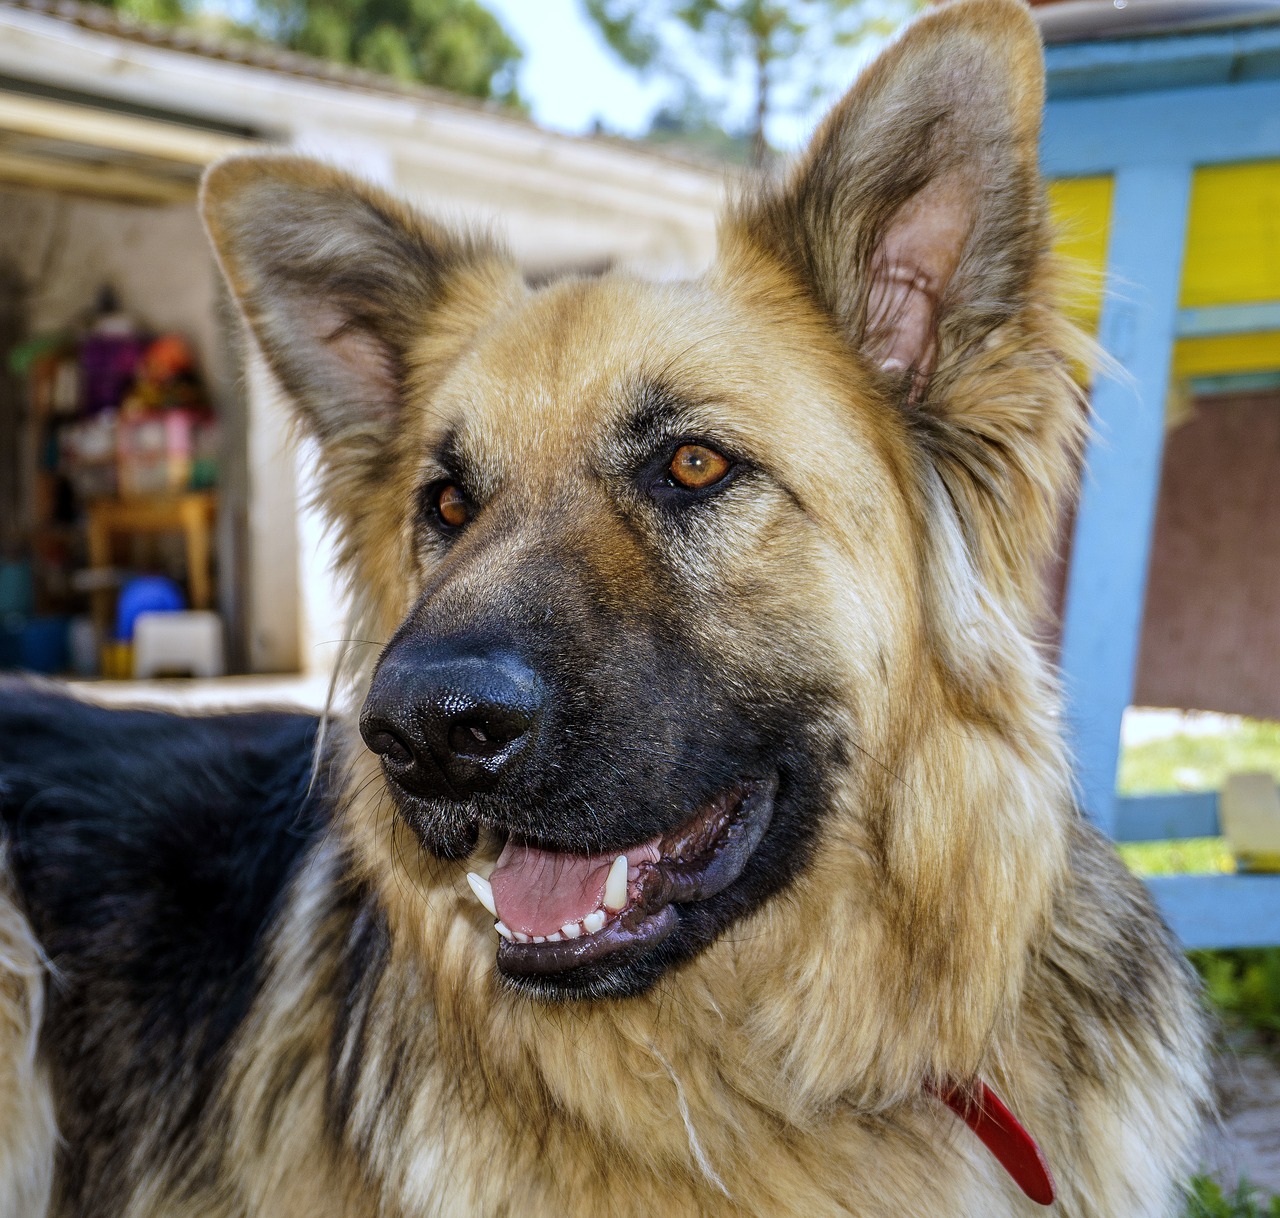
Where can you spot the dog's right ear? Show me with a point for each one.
(344, 288)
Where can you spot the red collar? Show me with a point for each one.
(999, 1131)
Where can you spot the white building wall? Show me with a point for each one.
(156, 258)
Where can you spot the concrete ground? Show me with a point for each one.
(221, 693)
(1247, 1140)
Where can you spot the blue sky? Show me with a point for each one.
(570, 77)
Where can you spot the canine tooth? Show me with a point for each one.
(483, 890)
(521, 937)
(503, 930)
(555, 937)
(571, 930)
(615, 887)
(593, 921)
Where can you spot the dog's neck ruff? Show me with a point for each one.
(1003, 1135)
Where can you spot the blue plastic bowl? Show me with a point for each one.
(146, 594)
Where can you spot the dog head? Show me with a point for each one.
(706, 606)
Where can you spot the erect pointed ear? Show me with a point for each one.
(343, 287)
(915, 216)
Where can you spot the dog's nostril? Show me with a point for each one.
(389, 747)
(476, 738)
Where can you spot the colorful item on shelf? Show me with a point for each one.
(154, 452)
(167, 358)
(17, 595)
(44, 644)
(116, 417)
(108, 367)
(87, 455)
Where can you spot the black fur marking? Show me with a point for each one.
(366, 954)
(151, 852)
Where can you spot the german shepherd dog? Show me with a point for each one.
(703, 839)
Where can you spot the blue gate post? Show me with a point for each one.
(1112, 544)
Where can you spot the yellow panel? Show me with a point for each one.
(1081, 211)
(1227, 354)
(1233, 236)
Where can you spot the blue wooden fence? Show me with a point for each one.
(1149, 111)
(1204, 910)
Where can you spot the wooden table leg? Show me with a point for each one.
(195, 526)
(98, 536)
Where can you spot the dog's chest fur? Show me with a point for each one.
(246, 1033)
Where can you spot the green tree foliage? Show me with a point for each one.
(155, 12)
(780, 46)
(687, 122)
(455, 44)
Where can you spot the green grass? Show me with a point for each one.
(1186, 856)
(1207, 1200)
(1200, 762)
(1244, 985)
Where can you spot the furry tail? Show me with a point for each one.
(28, 1130)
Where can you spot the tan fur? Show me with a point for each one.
(957, 921)
(28, 1133)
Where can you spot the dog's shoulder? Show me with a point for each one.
(150, 851)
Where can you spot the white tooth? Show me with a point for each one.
(615, 887)
(503, 930)
(593, 921)
(555, 937)
(539, 938)
(571, 930)
(483, 890)
(521, 937)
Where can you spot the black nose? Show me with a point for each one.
(449, 722)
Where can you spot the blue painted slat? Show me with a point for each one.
(1109, 555)
(1209, 125)
(1229, 319)
(1158, 818)
(1220, 910)
(1123, 64)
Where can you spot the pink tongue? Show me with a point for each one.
(538, 891)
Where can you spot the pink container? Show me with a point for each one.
(154, 453)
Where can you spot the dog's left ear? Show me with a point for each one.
(915, 216)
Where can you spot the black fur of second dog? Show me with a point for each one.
(150, 851)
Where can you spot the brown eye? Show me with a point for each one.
(452, 506)
(696, 467)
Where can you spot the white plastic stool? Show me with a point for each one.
(169, 644)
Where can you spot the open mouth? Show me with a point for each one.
(558, 911)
